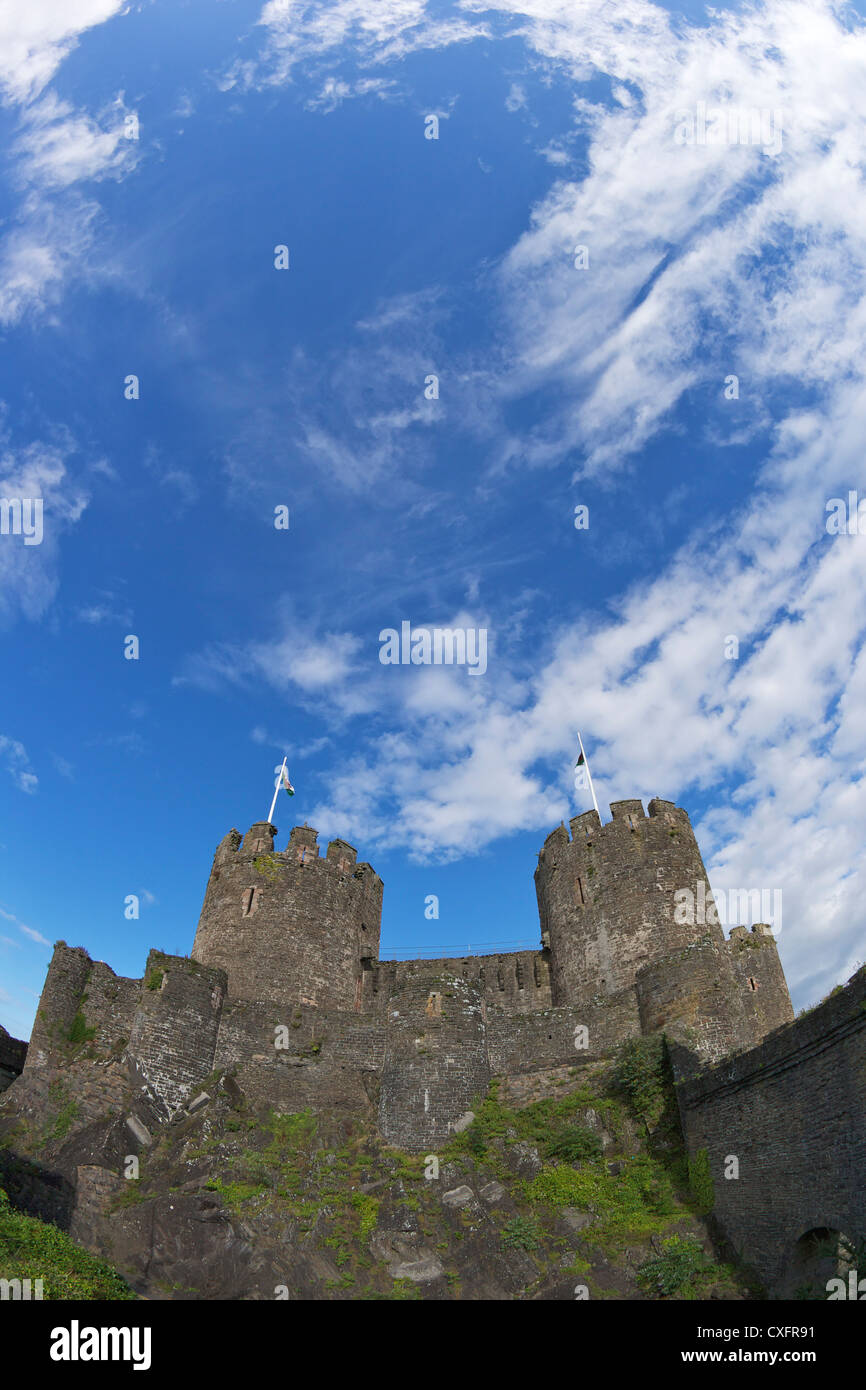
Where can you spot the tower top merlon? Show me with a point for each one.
(621, 810)
(259, 839)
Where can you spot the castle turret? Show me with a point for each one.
(290, 925)
(606, 896)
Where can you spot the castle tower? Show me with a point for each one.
(290, 926)
(606, 896)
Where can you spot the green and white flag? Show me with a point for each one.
(282, 781)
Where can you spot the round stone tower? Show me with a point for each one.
(290, 926)
(606, 897)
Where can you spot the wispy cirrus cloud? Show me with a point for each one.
(14, 758)
(29, 574)
(312, 35)
(57, 153)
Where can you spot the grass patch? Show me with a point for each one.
(639, 1201)
(31, 1249)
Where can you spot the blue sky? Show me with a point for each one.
(154, 155)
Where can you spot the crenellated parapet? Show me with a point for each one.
(606, 895)
(290, 924)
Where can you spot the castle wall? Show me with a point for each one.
(59, 1002)
(174, 1032)
(692, 996)
(606, 895)
(760, 979)
(13, 1054)
(108, 1004)
(293, 1057)
(516, 981)
(290, 925)
(791, 1111)
(550, 1037)
(77, 985)
(435, 1063)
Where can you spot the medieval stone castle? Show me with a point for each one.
(290, 940)
(285, 987)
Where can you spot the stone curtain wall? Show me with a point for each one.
(517, 981)
(13, 1054)
(792, 1112)
(436, 1064)
(174, 1032)
(59, 1002)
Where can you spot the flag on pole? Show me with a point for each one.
(581, 762)
(282, 781)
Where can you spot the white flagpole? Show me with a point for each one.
(589, 776)
(277, 790)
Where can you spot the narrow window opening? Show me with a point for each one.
(248, 901)
(580, 893)
(753, 983)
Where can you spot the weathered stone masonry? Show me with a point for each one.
(284, 983)
(792, 1112)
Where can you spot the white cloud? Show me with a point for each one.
(29, 573)
(51, 233)
(59, 146)
(14, 758)
(33, 934)
(308, 32)
(36, 37)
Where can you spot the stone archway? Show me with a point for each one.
(820, 1254)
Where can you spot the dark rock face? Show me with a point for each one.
(13, 1054)
(230, 1200)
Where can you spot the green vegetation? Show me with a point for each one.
(641, 1076)
(639, 1201)
(31, 1249)
(701, 1181)
(131, 1196)
(574, 1144)
(521, 1233)
(79, 1031)
(681, 1267)
(268, 865)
